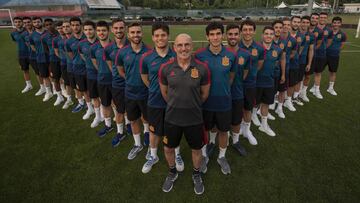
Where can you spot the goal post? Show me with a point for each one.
(6, 19)
(358, 29)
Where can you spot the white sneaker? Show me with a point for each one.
(298, 102)
(58, 101)
(272, 106)
(67, 104)
(95, 122)
(318, 95)
(255, 119)
(303, 96)
(41, 91)
(248, 134)
(88, 113)
(332, 92)
(48, 96)
(266, 129)
(288, 104)
(270, 116)
(312, 90)
(26, 89)
(149, 164)
(280, 113)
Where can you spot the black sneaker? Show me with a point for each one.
(240, 148)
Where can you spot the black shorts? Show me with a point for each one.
(24, 64)
(118, 96)
(220, 120)
(34, 66)
(43, 70)
(333, 63)
(134, 109)
(237, 111)
(92, 87)
(194, 135)
(72, 81)
(64, 75)
(302, 70)
(156, 118)
(80, 81)
(319, 64)
(105, 94)
(312, 67)
(55, 70)
(293, 77)
(249, 99)
(265, 95)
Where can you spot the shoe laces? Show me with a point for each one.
(197, 179)
(178, 159)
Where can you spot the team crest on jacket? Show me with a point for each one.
(274, 53)
(316, 34)
(338, 36)
(282, 46)
(254, 52)
(326, 32)
(241, 60)
(194, 73)
(298, 39)
(307, 37)
(225, 61)
(289, 44)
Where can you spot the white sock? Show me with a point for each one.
(331, 85)
(305, 88)
(28, 83)
(222, 152)
(247, 125)
(177, 151)
(58, 93)
(90, 107)
(101, 111)
(280, 105)
(48, 90)
(153, 152)
(235, 137)
(114, 110)
(97, 113)
(146, 127)
(212, 137)
(254, 111)
(296, 94)
(120, 128)
(126, 120)
(317, 88)
(203, 151)
(81, 101)
(62, 86)
(263, 120)
(137, 139)
(108, 122)
(42, 86)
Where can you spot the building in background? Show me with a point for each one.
(351, 8)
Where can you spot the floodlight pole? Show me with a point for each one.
(310, 5)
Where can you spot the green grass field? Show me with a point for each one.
(51, 155)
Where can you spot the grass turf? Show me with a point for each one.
(49, 154)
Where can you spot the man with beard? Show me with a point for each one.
(320, 54)
(42, 58)
(317, 61)
(265, 77)
(32, 54)
(77, 70)
(237, 89)
(280, 70)
(91, 72)
(104, 76)
(247, 29)
(333, 52)
(136, 93)
(118, 83)
(150, 63)
(306, 55)
(184, 84)
(55, 70)
(217, 112)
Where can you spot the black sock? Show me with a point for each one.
(196, 171)
(172, 169)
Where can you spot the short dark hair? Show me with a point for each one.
(26, 18)
(323, 13)
(306, 18)
(102, 23)
(135, 24)
(286, 19)
(58, 23)
(336, 18)
(48, 20)
(116, 20)
(36, 18)
(214, 26)
(17, 18)
(160, 26)
(89, 22)
(75, 19)
(293, 17)
(247, 22)
(268, 28)
(314, 14)
(277, 22)
(232, 26)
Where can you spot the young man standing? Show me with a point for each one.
(136, 93)
(150, 63)
(184, 84)
(217, 112)
(333, 52)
